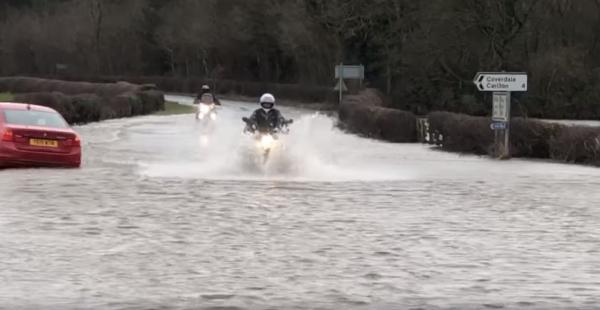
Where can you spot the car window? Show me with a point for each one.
(35, 118)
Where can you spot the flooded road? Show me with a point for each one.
(160, 217)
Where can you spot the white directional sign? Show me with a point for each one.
(501, 109)
(501, 81)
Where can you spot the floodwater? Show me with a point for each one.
(162, 217)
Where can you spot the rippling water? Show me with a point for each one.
(157, 220)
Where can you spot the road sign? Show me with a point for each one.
(501, 110)
(350, 72)
(501, 81)
(498, 125)
(337, 86)
(502, 84)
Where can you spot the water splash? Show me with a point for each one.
(315, 150)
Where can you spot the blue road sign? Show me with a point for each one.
(498, 125)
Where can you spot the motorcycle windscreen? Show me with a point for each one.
(207, 99)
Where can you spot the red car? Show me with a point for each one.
(36, 136)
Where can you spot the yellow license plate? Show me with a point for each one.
(43, 142)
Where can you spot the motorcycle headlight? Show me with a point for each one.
(267, 141)
(204, 108)
(213, 116)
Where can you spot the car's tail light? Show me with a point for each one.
(73, 141)
(8, 136)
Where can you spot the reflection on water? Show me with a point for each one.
(156, 219)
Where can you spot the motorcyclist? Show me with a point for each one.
(267, 119)
(206, 90)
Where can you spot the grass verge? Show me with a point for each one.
(174, 108)
(7, 97)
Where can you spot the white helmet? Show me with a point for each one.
(267, 101)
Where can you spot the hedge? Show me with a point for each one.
(296, 92)
(82, 102)
(364, 114)
(528, 138)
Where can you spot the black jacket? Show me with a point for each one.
(266, 122)
(202, 92)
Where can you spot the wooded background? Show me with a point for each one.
(423, 54)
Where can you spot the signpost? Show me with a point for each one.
(501, 108)
(342, 86)
(502, 84)
(347, 72)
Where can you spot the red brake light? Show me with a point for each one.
(8, 136)
(73, 142)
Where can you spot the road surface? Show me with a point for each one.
(161, 217)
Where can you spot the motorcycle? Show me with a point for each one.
(269, 140)
(206, 115)
(206, 110)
